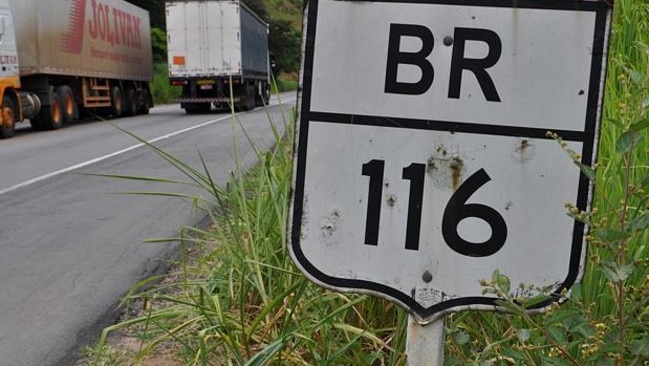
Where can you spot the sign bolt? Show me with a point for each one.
(448, 40)
(427, 277)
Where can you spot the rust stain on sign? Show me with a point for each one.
(456, 171)
(524, 150)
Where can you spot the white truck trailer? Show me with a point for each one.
(62, 58)
(218, 54)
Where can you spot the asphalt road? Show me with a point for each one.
(70, 247)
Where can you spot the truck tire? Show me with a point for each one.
(246, 99)
(69, 105)
(8, 127)
(116, 101)
(51, 116)
(262, 96)
(250, 96)
(131, 102)
(37, 124)
(145, 98)
(198, 108)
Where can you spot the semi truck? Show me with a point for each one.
(218, 53)
(64, 59)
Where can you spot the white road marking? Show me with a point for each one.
(120, 152)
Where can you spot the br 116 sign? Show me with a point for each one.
(456, 210)
(422, 163)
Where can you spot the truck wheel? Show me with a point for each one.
(37, 124)
(8, 127)
(246, 100)
(131, 102)
(250, 95)
(262, 97)
(267, 92)
(145, 96)
(116, 101)
(197, 108)
(69, 109)
(50, 116)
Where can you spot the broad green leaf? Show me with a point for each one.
(507, 305)
(639, 223)
(645, 181)
(640, 125)
(584, 329)
(557, 334)
(494, 276)
(533, 301)
(617, 123)
(627, 141)
(587, 171)
(578, 218)
(611, 236)
(461, 337)
(605, 362)
(573, 320)
(640, 347)
(501, 281)
(453, 361)
(643, 46)
(575, 292)
(553, 361)
(266, 354)
(361, 333)
(636, 76)
(615, 272)
(610, 347)
(523, 334)
(561, 316)
(513, 354)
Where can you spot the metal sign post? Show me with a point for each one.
(425, 343)
(422, 163)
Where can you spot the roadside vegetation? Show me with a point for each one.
(162, 92)
(235, 297)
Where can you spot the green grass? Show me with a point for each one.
(162, 92)
(241, 301)
(286, 82)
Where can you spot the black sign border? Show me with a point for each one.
(588, 137)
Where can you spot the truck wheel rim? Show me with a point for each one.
(69, 105)
(7, 118)
(56, 113)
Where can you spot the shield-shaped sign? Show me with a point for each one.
(422, 162)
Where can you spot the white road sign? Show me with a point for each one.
(422, 162)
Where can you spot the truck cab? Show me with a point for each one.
(9, 73)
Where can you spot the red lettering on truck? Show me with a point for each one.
(8, 59)
(123, 28)
(105, 23)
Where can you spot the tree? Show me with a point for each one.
(284, 45)
(159, 45)
(156, 9)
(258, 7)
